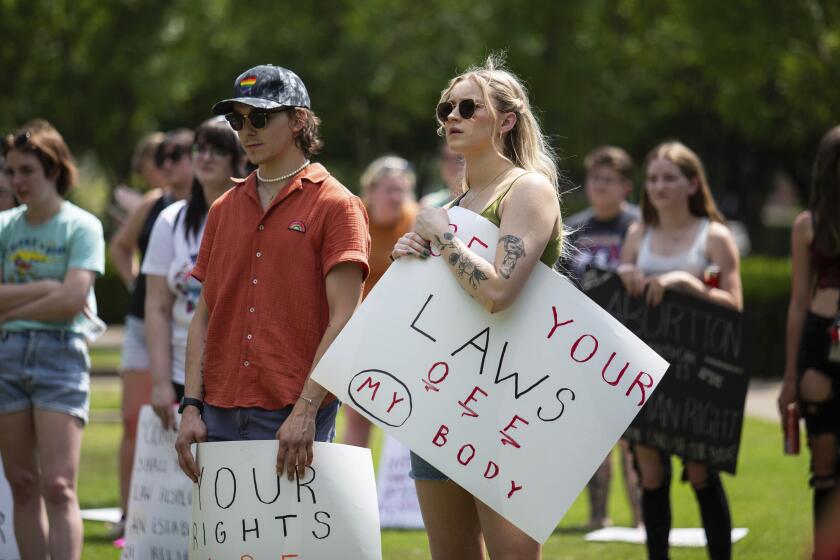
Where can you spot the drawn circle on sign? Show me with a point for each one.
(381, 376)
(431, 247)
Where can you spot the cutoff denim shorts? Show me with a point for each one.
(134, 355)
(48, 370)
(238, 424)
(423, 470)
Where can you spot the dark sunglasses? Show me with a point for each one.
(466, 108)
(16, 142)
(258, 119)
(174, 155)
(213, 151)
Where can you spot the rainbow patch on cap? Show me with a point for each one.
(247, 83)
(297, 225)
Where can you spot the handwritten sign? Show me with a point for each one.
(518, 407)
(698, 411)
(398, 505)
(160, 503)
(243, 510)
(8, 545)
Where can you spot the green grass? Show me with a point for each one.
(769, 496)
(105, 358)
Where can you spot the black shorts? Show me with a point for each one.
(815, 345)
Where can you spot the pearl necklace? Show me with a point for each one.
(282, 177)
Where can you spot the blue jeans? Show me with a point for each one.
(48, 370)
(241, 424)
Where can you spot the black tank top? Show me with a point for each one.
(136, 306)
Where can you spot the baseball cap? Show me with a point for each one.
(266, 87)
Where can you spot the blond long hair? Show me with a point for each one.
(701, 203)
(525, 144)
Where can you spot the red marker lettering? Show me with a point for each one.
(619, 376)
(508, 440)
(556, 324)
(466, 461)
(429, 382)
(513, 488)
(480, 242)
(512, 423)
(470, 412)
(394, 401)
(495, 467)
(369, 382)
(441, 435)
(577, 343)
(642, 386)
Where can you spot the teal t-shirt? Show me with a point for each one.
(71, 239)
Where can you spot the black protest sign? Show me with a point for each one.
(698, 409)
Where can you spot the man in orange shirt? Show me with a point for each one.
(282, 264)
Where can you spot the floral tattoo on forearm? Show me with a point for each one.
(514, 249)
(464, 266)
(467, 268)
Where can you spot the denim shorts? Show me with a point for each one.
(134, 354)
(48, 370)
(242, 424)
(423, 470)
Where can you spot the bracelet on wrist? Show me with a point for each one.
(308, 401)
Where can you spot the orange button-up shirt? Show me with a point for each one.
(263, 282)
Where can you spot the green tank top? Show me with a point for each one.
(554, 246)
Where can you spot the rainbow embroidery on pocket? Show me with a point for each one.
(297, 225)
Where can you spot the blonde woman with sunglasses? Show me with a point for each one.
(510, 178)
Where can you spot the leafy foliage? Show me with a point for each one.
(751, 88)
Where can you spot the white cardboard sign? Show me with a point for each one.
(8, 544)
(518, 407)
(160, 503)
(243, 510)
(398, 505)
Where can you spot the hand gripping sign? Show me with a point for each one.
(518, 407)
(242, 510)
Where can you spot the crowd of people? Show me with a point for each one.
(245, 259)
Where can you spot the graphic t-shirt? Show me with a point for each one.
(171, 253)
(71, 239)
(597, 243)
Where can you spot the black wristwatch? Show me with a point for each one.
(187, 401)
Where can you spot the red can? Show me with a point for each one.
(711, 276)
(792, 429)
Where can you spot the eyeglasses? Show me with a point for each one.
(212, 151)
(174, 155)
(466, 108)
(258, 119)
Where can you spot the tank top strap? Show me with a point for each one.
(456, 202)
(493, 208)
(701, 241)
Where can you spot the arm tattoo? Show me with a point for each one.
(514, 249)
(448, 241)
(464, 267)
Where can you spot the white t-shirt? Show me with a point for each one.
(172, 254)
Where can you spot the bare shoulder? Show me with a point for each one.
(803, 227)
(635, 232)
(533, 190)
(719, 233)
(720, 237)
